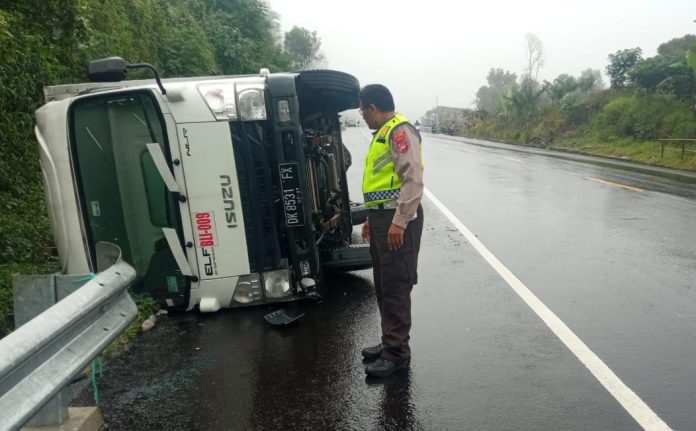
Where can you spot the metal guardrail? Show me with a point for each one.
(40, 357)
(683, 145)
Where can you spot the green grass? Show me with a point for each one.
(146, 307)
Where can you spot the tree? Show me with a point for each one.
(302, 48)
(535, 56)
(691, 57)
(620, 64)
(185, 47)
(563, 85)
(501, 79)
(668, 71)
(651, 72)
(590, 80)
(523, 103)
(691, 62)
(678, 47)
(500, 82)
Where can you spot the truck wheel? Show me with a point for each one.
(358, 213)
(351, 258)
(327, 90)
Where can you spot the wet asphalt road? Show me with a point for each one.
(618, 266)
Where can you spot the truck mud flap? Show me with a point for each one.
(351, 258)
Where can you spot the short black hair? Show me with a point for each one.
(378, 95)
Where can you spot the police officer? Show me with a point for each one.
(392, 190)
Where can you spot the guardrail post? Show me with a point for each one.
(33, 294)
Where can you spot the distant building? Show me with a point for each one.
(447, 116)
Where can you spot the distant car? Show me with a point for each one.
(351, 123)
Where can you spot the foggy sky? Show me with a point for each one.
(444, 49)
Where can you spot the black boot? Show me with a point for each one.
(385, 367)
(373, 352)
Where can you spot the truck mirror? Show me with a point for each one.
(111, 69)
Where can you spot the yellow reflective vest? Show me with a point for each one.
(381, 183)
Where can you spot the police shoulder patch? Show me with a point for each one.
(401, 142)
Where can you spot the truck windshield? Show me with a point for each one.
(123, 197)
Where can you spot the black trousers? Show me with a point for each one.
(395, 273)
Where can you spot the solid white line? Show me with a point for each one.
(640, 411)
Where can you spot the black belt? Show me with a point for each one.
(381, 207)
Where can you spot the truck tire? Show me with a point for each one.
(327, 90)
(351, 258)
(358, 213)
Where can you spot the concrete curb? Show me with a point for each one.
(79, 419)
(674, 174)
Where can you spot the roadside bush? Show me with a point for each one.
(616, 119)
(551, 125)
(642, 116)
(29, 59)
(679, 124)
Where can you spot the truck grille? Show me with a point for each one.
(252, 158)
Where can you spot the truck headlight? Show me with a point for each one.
(283, 111)
(248, 289)
(276, 284)
(230, 100)
(220, 99)
(305, 269)
(252, 105)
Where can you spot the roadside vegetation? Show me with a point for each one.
(648, 99)
(50, 42)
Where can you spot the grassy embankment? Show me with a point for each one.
(646, 152)
(624, 124)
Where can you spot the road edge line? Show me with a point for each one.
(635, 406)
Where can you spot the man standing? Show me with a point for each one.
(392, 190)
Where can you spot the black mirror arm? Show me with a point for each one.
(151, 67)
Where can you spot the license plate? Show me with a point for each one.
(292, 195)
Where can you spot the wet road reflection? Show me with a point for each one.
(397, 409)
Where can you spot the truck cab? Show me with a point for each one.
(221, 192)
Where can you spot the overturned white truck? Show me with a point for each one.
(221, 191)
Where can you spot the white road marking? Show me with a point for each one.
(611, 183)
(640, 411)
(514, 159)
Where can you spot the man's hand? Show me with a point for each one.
(366, 231)
(395, 237)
